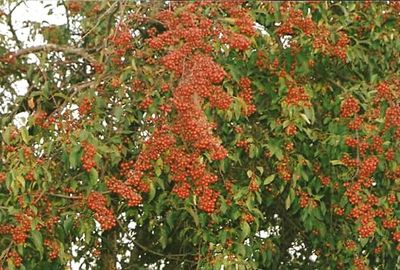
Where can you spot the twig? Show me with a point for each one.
(101, 17)
(171, 256)
(72, 197)
(11, 27)
(38, 198)
(358, 153)
(4, 253)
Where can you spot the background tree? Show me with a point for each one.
(190, 135)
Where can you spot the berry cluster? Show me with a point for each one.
(390, 223)
(325, 180)
(378, 250)
(359, 263)
(392, 116)
(349, 107)
(296, 20)
(243, 144)
(20, 233)
(85, 106)
(15, 258)
(283, 169)
(182, 190)
(188, 44)
(126, 192)
(122, 40)
(74, 6)
(297, 96)
(291, 130)
(389, 155)
(97, 203)
(160, 141)
(350, 245)
(146, 103)
(247, 96)
(338, 210)
(384, 91)
(40, 119)
(305, 200)
(396, 236)
(54, 249)
(254, 186)
(30, 176)
(208, 199)
(87, 158)
(356, 123)
(249, 218)
(2, 177)
(368, 167)
(367, 230)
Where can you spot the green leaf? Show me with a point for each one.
(245, 230)
(170, 219)
(253, 151)
(241, 249)
(118, 113)
(21, 181)
(10, 265)
(274, 148)
(158, 167)
(74, 156)
(68, 222)
(290, 198)
(194, 215)
(336, 162)
(6, 136)
(249, 173)
(93, 176)
(25, 135)
(152, 192)
(269, 179)
(163, 238)
(38, 241)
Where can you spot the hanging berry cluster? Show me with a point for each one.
(369, 155)
(247, 96)
(53, 247)
(87, 158)
(349, 107)
(297, 96)
(122, 41)
(20, 232)
(125, 191)
(97, 203)
(181, 138)
(294, 19)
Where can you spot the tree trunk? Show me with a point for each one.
(108, 258)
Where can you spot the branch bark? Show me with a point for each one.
(54, 47)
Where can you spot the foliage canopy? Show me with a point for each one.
(191, 135)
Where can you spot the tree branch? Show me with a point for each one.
(54, 47)
(11, 27)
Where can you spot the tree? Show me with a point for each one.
(196, 134)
